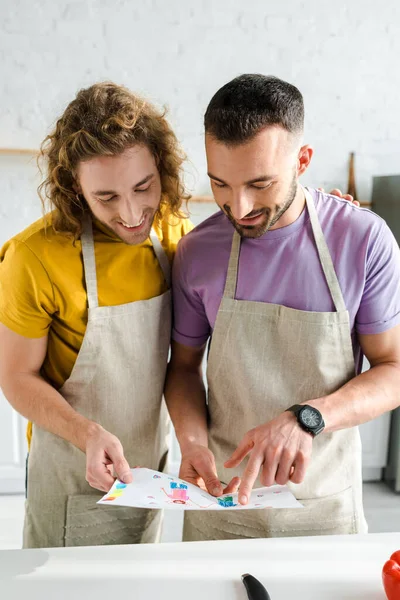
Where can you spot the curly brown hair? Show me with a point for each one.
(104, 120)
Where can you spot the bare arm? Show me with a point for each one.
(21, 360)
(186, 396)
(186, 400)
(370, 394)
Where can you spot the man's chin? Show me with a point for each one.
(252, 232)
(133, 238)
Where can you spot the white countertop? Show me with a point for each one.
(313, 568)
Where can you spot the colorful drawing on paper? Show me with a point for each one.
(178, 493)
(152, 489)
(226, 502)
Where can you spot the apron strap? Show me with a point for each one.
(161, 256)
(323, 252)
(324, 255)
(231, 276)
(89, 260)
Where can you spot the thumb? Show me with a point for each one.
(121, 468)
(213, 484)
(210, 478)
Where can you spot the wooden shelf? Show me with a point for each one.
(201, 199)
(19, 151)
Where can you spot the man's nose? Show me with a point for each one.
(240, 205)
(130, 211)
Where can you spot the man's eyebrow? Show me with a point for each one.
(211, 176)
(138, 184)
(260, 179)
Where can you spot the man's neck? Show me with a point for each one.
(294, 211)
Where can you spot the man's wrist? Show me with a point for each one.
(188, 442)
(308, 417)
(83, 430)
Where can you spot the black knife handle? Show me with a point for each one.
(255, 589)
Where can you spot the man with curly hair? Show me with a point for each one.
(85, 316)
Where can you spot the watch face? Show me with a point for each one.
(310, 417)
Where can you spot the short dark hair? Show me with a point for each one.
(250, 102)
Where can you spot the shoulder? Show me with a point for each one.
(38, 250)
(203, 251)
(170, 230)
(211, 234)
(341, 220)
(22, 242)
(38, 236)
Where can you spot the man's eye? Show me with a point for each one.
(262, 187)
(107, 200)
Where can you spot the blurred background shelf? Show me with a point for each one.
(19, 151)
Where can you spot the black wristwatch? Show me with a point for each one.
(309, 418)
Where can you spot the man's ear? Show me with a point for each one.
(303, 159)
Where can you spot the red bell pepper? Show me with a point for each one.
(391, 576)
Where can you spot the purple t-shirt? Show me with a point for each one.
(283, 267)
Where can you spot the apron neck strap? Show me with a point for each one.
(323, 252)
(161, 256)
(231, 276)
(89, 260)
(324, 255)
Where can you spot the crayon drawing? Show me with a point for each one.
(153, 489)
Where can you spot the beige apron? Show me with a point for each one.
(117, 381)
(264, 358)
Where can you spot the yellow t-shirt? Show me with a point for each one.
(42, 289)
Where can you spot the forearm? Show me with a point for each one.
(362, 399)
(185, 396)
(35, 399)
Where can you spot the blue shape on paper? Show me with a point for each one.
(226, 502)
(178, 486)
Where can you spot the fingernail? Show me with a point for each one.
(243, 499)
(216, 491)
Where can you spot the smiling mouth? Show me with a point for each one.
(130, 226)
(252, 216)
(251, 219)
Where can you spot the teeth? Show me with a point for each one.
(132, 226)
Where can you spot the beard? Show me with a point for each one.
(270, 218)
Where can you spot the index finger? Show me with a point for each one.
(244, 448)
(249, 477)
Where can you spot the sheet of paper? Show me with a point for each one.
(151, 489)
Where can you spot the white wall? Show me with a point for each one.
(342, 55)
